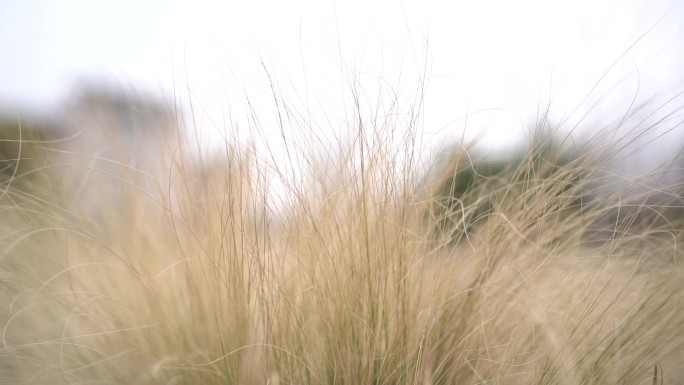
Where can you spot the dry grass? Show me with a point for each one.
(201, 279)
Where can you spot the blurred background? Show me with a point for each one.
(99, 91)
(486, 70)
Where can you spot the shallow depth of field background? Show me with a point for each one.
(499, 63)
(142, 240)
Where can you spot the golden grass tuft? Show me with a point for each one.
(363, 274)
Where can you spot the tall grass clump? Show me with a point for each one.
(364, 269)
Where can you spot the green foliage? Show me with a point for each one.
(469, 188)
(22, 152)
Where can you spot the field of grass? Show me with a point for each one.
(370, 270)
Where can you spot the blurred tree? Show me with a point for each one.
(548, 181)
(23, 151)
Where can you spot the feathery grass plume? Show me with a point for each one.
(195, 276)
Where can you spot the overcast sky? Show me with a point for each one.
(507, 57)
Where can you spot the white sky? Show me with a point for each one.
(503, 56)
